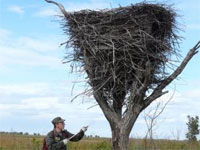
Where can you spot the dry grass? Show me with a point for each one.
(22, 142)
(18, 142)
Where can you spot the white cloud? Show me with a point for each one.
(42, 96)
(46, 12)
(37, 44)
(31, 107)
(28, 89)
(4, 33)
(16, 9)
(193, 94)
(39, 105)
(28, 51)
(26, 57)
(44, 101)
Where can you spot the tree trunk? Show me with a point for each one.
(122, 128)
(120, 138)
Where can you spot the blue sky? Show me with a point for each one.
(35, 86)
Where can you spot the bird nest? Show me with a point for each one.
(122, 46)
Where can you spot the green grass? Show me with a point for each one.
(27, 142)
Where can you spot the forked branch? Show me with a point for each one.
(158, 91)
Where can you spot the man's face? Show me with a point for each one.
(61, 125)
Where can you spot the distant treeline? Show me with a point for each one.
(38, 134)
(19, 133)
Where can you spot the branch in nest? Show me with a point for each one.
(158, 91)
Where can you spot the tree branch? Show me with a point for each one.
(61, 7)
(136, 97)
(158, 91)
(107, 110)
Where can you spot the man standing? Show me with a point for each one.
(58, 138)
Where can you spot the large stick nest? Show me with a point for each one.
(122, 46)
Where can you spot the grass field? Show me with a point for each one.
(27, 142)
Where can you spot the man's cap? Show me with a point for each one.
(57, 120)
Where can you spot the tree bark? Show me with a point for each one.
(120, 138)
(121, 129)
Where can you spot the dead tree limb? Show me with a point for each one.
(60, 6)
(158, 91)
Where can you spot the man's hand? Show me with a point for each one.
(84, 128)
(65, 141)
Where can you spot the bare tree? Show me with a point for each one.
(176, 134)
(151, 118)
(124, 52)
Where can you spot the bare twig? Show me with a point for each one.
(61, 7)
(151, 119)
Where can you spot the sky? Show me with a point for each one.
(35, 86)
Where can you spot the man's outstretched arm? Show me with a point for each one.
(74, 137)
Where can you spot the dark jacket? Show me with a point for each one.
(54, 140)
